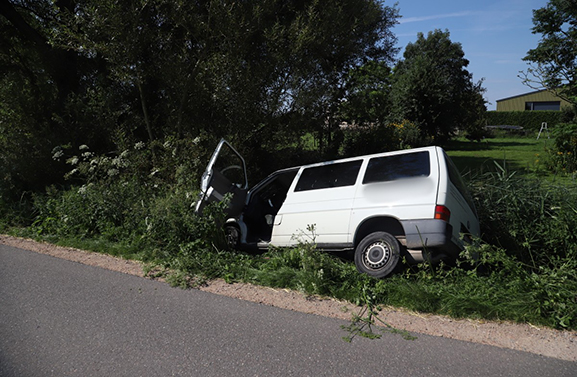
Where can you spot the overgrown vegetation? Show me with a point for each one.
(563, 155)
(128, 99)
(525, 269)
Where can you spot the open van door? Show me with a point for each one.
(225, 173)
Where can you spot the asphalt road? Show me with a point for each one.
(61, 318)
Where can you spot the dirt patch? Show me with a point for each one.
(522, 337)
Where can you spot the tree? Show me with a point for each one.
(261, 70)
(39, 88)
(553, 63)
(108, 73)
(433, 88)
(368, 99)
(366, 110)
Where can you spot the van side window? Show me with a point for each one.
(331, 175)
(390, 168)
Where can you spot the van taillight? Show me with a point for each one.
(442, 213)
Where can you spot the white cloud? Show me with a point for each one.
(435, 17)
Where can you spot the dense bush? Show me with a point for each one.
(563, 156)
(361, 140)
(141, 194)
(530, 120)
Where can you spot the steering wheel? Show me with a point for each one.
(231, 167)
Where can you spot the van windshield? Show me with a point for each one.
(391, 168)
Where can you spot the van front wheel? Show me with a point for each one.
(377, 254)
(232, 237)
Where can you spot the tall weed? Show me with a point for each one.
(532, 246)
(533, 221)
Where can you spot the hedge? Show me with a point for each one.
(530, 120)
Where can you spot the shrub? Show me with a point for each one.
(563, 156)
(534, 223)
(362, 140)
(133, 194)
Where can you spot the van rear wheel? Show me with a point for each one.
(378, 254)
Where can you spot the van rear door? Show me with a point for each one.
(225, 173)
(454, 195)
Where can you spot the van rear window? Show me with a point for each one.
(331, 175)
(391, 168)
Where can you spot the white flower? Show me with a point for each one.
(57, 154)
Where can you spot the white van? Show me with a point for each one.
(410, 203)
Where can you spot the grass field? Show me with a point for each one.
(526, 155)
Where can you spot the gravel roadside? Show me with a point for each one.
(522, 337)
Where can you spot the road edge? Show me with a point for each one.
(522, 337)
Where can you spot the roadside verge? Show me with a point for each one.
(521, 337)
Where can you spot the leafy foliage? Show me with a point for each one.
(112, 73)
(553, 61)
(133, 196)
(433, 89)
(368, 100)
(563, 157)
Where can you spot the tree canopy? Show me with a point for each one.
(553, 63)
(112, 73)
(433, 88)
(425, 98)
(108, 73)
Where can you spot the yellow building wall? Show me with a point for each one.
(518, 103)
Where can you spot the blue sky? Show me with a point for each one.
(495, 36)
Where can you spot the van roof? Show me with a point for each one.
(390, 153)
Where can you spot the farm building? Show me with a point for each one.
(538, 100)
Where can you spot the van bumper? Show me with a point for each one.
(434, 234)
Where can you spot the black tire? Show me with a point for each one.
(232, 237)
(378, 254)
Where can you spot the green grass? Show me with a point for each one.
(523, 154)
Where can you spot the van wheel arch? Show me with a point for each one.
(379, 224)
